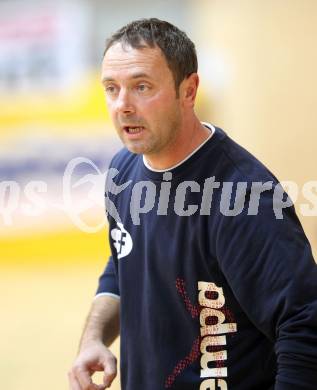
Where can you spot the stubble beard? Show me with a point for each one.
(155, 142)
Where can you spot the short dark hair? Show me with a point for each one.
(178, 50)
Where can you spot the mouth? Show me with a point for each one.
(133, 130)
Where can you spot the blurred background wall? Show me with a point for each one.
(257, 66)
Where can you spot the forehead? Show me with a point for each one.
(126, 61)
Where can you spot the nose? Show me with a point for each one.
(124, 103)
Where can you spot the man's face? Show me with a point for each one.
(141, 98)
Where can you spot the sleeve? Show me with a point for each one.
(269, 266)
(108, 281)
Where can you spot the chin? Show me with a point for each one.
(136, 149)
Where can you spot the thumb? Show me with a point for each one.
(110, 371)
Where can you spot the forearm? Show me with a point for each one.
(102, 323)
(297, 363)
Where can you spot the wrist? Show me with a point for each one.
(90, 340)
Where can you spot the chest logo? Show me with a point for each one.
(122, 240)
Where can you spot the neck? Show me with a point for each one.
(187, 140)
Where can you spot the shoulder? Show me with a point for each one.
(122, 159)
(125, 164)
(238, 164)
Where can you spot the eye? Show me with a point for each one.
(110, 89)
(142, 87)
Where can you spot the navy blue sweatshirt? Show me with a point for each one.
(215, 276)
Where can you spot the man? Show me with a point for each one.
(210, 271)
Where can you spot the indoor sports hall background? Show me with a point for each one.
(258, 64)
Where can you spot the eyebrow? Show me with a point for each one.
(134, 76)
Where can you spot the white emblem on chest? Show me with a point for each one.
(122, 240)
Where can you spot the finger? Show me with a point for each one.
(84, 379)
(73, 383)
(101, 387)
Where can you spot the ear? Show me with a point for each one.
(188, 90)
